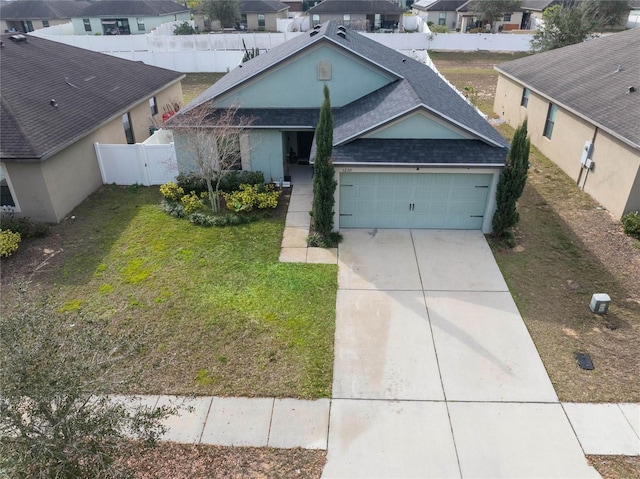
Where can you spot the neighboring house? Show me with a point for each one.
(56, 102)
(363, 15)
(127, 17)
(294, 5)
(408, 150)
(583, 106)
(262, 15)
(440, 12)
(29, 15)
(532, 11)
(469, 20)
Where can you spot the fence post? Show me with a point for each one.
(100, 165)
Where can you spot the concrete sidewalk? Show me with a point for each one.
(607, 429)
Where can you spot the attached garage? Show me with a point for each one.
(442, 200)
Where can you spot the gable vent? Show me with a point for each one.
(315, 32)
(342, 34)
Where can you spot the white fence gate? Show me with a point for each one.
(137, 164)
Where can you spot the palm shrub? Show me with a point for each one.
(511, 183)
(324, 183)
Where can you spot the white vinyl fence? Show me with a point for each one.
(143, 164)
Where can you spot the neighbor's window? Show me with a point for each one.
(260, 20)
(506, 17)
(29, 26)
(315, 19)
(87, 24)
(551, 119)
(153, 106)
(128, 130)
(346, 19)
(525, 97)
(45, 23)
(140, 24)
(442, 19)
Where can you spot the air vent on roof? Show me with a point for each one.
(342, 34)
(631, 89)
(317, 27)
(315, 32)
(342, 28)
(18, 38)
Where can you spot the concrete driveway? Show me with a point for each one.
(435, 373)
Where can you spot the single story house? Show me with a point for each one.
(363, 15)
(583, 106)
(28, 15)
(130, 17)
(440, 12)
(56, 102)
(262, 15)
(408, 150)
(469, 20)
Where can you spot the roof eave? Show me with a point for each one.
(588, 119)
(414, 165)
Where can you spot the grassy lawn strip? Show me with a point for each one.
(552, 276)
(222, 315)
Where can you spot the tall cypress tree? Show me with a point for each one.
(511, 182)
(324, 183)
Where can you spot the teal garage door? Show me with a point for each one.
(413, 200)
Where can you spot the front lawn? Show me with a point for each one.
(222, 315)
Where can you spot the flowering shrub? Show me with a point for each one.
(9, 242)
(250, 196)
(171, 191)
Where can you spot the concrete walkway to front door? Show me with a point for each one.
(435, 373)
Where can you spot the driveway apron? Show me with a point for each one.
(435, 373)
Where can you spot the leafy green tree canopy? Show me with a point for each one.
(227, 12)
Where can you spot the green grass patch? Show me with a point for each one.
(208, 299)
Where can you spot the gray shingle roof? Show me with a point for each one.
(419, 83)
(148, 8)
(89, 88)
(356, 6)
(42, 9)
(414, 151)
(583, 79)
(443, 6)
(261, 6)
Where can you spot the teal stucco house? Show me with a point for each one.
(409, 151)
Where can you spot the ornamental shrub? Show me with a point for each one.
(631, 224)
(9, 242)
(191, 203)
(250, 196)
(26, 227)
(171, 191)
(172, 208)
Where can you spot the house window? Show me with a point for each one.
(442, 19)
(551, 119)
(506, 17)
(87, 24)
(346, 19)
(525, 97)
(260, 21)
(140, 24)
(128, 130)
(153, 106)
(45, 23)
(315, 19)
(28, 26)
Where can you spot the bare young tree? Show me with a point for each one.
(212, 138)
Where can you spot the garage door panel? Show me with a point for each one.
(413, 200)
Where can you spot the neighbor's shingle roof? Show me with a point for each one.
(416, 85)
(582, 78)
(262, 6)
(149, 8)
(443, 5)
(89, 88)
(356, 6)
(42, 9)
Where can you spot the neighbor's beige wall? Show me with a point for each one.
(270, 21)
(47, 191)
(617, 167)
